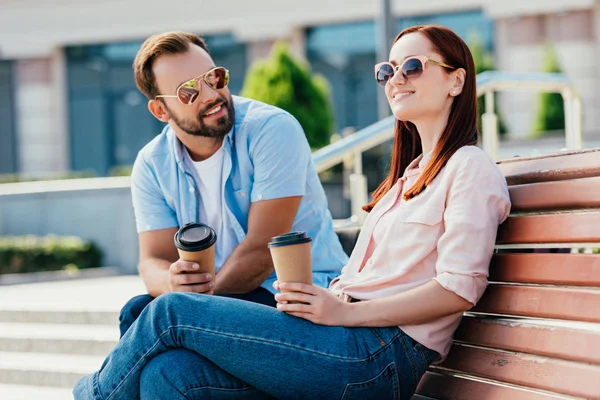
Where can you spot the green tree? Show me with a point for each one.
(484, 61)
(287, 83)
(551, 112)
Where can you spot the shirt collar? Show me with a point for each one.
(418, 164)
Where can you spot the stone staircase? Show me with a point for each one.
(51, 334)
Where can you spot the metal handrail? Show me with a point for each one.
(488, 83)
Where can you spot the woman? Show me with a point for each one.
(421, 260)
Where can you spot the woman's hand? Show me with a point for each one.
(320, 306)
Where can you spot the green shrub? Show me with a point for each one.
(287, 83)
(551, 112)
(120, 170)
(50, 253)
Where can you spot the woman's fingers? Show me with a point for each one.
(299, 287)
(294, 296)
(294, 307)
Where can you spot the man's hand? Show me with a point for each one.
(184, 277)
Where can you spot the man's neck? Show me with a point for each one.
(199, 148)
(205, 150)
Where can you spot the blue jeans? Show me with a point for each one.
(252, 351)
(134, 307)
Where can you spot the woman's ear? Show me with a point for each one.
(458, 81)
(159, 110)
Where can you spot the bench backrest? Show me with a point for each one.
(535, 334)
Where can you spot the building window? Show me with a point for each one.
(109, 121)
(345, 55)
(8, 147)
(469, 25)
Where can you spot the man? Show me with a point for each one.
(240, 166)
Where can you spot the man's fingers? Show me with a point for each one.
(202, 288)
(190, 279)
(184, 266)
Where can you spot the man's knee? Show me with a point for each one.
(132, 310)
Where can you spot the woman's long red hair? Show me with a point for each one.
(461, 129)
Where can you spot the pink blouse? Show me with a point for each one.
(446, 233)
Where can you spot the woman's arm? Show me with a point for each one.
(419, 305)
(416, 306)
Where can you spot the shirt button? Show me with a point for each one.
(243, 194)
(259, 197)
(192, 190)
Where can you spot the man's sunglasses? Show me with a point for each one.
(411, 68)
(187, 93)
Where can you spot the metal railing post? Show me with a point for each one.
(358, 190)
(489, 122)
(577, 123)
(567, 97)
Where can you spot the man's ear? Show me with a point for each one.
(159, 110)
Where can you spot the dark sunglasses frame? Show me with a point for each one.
(383, 77)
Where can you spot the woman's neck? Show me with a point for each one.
(430, 129)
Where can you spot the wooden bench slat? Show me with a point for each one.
(558, 269)
(448, 387)
(526, 336)
(572, 304)
(576, 193)
(552, 167)
(558, 376)
(581, 227)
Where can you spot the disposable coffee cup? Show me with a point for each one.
(195, 242)
(292, 257)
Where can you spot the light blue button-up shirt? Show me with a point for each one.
(267, 156)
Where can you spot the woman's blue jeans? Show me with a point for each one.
(231, 349)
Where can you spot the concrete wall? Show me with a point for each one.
(40, 109)
(520, 48)
(95, 209)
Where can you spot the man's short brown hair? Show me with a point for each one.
(154, 47)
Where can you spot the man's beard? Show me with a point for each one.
(218, 131)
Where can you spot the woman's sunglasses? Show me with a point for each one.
(187, 93)
(411, 68)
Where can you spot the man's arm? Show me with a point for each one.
(250, 263)
(157, 253)
(162, 271)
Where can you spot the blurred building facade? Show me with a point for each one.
(68, 100)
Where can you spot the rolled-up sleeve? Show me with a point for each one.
(477, 203)
(281, 155)
(150, 207)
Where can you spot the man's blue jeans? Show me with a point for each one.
(251, 351)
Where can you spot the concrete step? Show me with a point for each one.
(41, 369)
(84, 301)
(43, 316)
(22, 392)
(62, 339)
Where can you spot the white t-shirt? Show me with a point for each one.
(212, 204)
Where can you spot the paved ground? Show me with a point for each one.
(101, 294)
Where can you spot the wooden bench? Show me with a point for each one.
(535, 334)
